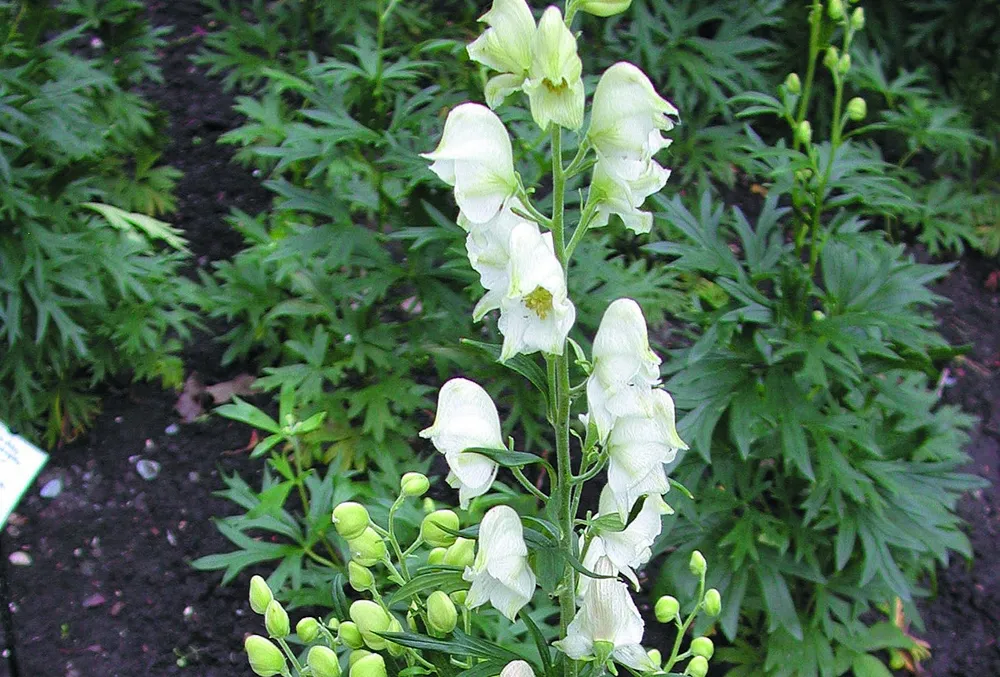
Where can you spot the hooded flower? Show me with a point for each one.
(500, 575)
(607, 615)
(638, 446)
(475, 157)
(488, 247)
(624, 198)
(505, 47)
(554, 85)
(517, 669)
(535, 313)
(625, 369)
(466, 417)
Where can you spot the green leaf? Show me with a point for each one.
(522, 364)
(243, 411)
(506, 458)
(130, 221)
(448, 579)
(866, 665)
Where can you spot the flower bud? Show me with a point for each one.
(857, 109)
(713, 602)
(459, 597)
(414, 484)
(436, 556)
(702, 646)
(359, 577)
(442, 617)
(357, 656)
(835, 10)
(307, 629)
(697, 563)
(804, 133)
(656, 657)
(265, 658)
(793, 84)
(604, 7)
(371, 619)
(349, 634)
(698, 667)
(858, 18)
(276, 620)
(461, 553)
(323, 662)
(432, 532)
(667, 608)
(428, 505)
(260, 594)
(368, 548)
(819, 315)
(333, 623)
(831, 58)
(844, 64)
(370, 666)
(395, 650)
(351, 519)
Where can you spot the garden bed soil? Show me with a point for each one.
(110, 591)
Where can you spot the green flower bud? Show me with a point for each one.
(428, 505)
(357, 656)
(395, 650)
(819, 315)
(459, 597)
(414, 484)
(804, 133)
(835, 10)
(436, 556)
(604, 7)
(896, 661)
(667, 608)
(349, 634)
(442, 617)
(654, 655)
(432, 532)
(265, 658)
(351, 519)
(697, 563)
(307, 629)
(276, 620)
(368, 549)
(260, 594)
(702, 646)
(698, 667)
(713, 602)
(858, 18)
(371, 619)
(461, 553)
(793, 84)
(844, 64)
(371, 665)
(831, 58)
(323, 662)
(333, 623)
(857, 109)
(359, 577)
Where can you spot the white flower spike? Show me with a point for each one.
(466, 417)
(625, 369)
(500, 575)
(505, 47)
(554, 85)
(535, 313)
(475, 157)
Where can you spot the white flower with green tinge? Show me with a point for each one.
(500, 574)
(624, 367)
(466, 418)
(613, 195)
(517, 669)
(554, 85)
(505, 47)
(607, 622)
(475, 157)
(488, 248)
(638, 447)
(535, 312)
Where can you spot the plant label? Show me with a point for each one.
(20, 461)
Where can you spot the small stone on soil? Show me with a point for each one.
(172, 429)
(20, 559)
(52, 488)
(95, 600)
(147, 469)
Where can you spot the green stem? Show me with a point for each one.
(526, 483)
(682, 630)
(586, 217)
(394, 541)
(815, 12)
(288, 652)
(300, 485)
(319, 559)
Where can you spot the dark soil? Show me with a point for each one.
(110, 592)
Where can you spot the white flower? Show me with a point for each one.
(624, 367)
(488, 247)
(505, 46)
(475, 157)
(608, 615)
(554, 85)
(535, 313)
(614, 195)
(500, 574)
(517, 669)
(466, 417)
(629, 549)
(638, 446)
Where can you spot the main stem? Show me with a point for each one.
(560, 395)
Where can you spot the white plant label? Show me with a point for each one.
(20, 462)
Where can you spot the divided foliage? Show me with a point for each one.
(89, 280)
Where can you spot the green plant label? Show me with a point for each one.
(20, 461)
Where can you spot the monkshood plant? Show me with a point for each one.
(420, 591)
